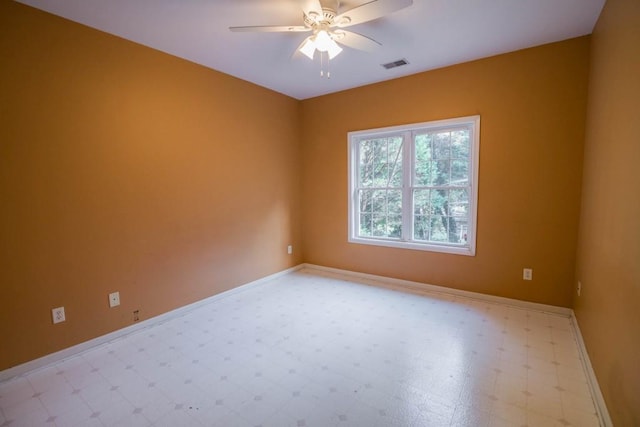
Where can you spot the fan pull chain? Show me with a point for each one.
(322, 73)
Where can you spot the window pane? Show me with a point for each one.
(438, 225)
(445, 227)
(421, 227)
(381, 213)
(365, 225)
(365, 165)
(433, 158)
(422, 165)
(462, 228)
(459, 172)
(459, 210)
(380, 162)
(379, 225)
(421, 202)
(379, 201)
(425, 173)
(441, 172)
(439, 202)
(395, 160)
(441, 145)
(453, 230)
(460, 144)
(459, 203)
(365, 198)
(459, 195)
(423, 209)
(395, 226)
(394, 199)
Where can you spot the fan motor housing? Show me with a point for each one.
(313, 19)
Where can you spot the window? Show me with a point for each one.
(415, 186)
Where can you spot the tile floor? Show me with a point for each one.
(308, 350)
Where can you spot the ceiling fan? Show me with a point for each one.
(325, 24)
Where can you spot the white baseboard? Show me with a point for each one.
(426, 288)
(75, 350)
(596, 393)
(422, 288)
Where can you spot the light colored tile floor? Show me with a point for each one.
(308, 350)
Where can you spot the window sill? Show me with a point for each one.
(454, 250)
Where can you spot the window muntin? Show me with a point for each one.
(415, 186)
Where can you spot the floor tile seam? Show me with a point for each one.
(59, 415)
(565, 414)
(30, 392)
(5, 416)
(36, 390)
(545, 414)
(91, 407)
(367, 404)
(494, 406)
(279, 408)
(152, 422)
(569, 394)
(135, 405)
(50, 412)
(239, 385)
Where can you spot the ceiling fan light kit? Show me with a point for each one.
(322, 42)
(324, 22)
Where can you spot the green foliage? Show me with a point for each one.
(440, 195)
(381, 187)
(440, 186)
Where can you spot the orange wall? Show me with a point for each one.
(532, 105)
(123, 168)
(608, 309)
(126, 169)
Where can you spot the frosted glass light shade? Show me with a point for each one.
(309, 48)
(323, 42)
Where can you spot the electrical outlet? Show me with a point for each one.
(579, 288)
(527, 274)
(289, 249)
(114, 299)
(58, 315)
(136, 315)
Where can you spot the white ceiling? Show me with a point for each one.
(429, 34)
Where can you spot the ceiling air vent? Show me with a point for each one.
(394, 64)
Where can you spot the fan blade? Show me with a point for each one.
(311, 6)
(369, 11)
(356, 41)
(271, 28)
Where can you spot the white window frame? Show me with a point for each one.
(406, 241)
